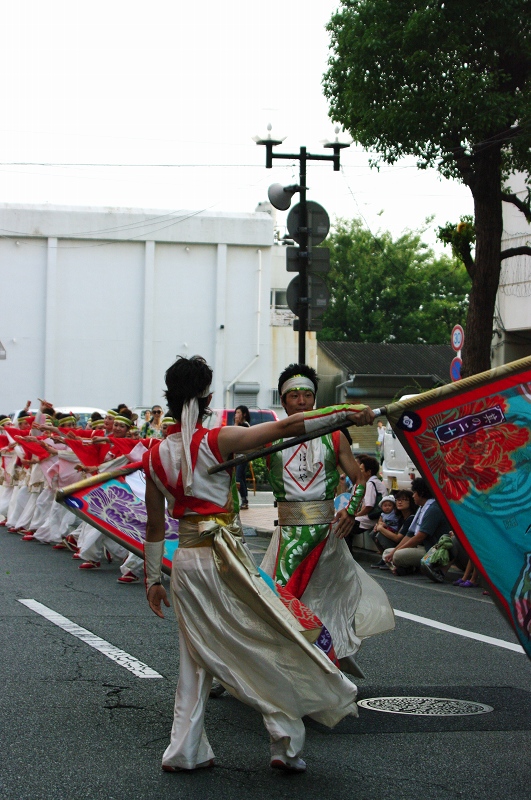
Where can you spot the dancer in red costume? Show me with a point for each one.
(232, 621)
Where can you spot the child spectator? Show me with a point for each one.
(389, 517)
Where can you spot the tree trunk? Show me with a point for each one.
(486, 190)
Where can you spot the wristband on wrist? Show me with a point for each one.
(356, 501)
(153, 552)
(326, 419)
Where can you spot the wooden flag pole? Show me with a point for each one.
(275, 448)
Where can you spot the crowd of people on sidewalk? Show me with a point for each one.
(408, 528)
(43, 452)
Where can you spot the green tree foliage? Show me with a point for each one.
(385, 290)
(448, 83)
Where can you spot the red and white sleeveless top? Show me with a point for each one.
(211, 494)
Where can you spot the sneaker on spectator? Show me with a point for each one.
(401, 571)
(435, 574)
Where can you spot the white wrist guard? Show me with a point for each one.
(326, 419)
(153, 552)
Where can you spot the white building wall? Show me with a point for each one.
(512, 324)
(184, 302)
(22, 320)
(96, 328)
(97, 303)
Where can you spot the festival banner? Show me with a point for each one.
(114, 503)
(471, 440)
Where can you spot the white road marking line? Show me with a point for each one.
(114, 653)
(432, 623)
(433, 587)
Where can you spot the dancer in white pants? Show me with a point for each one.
(232, 623)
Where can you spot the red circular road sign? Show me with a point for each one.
(458, 338)
(455, 369)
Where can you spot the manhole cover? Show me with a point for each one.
(425, 706)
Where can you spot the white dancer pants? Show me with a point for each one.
(56, 525)
(27, 514)
(5, 497)
(134, 564)
(23, 498)
(13, 503)
(92, 544)
(42, 508)
(189, 745)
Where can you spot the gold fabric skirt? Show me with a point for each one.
(236, 628)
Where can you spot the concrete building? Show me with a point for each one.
(512, 321)
(98, 302)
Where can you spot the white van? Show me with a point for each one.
(82, 413)
(398, 470)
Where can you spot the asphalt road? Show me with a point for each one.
(75, 724)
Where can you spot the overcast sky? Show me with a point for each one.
(186, 84)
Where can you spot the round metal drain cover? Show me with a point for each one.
(425, 706)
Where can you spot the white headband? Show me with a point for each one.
(297, 382)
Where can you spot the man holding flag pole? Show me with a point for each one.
(307, 553)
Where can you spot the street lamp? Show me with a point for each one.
(268, 143)
(280, 197)
(336, 146)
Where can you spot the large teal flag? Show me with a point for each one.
(471, 440)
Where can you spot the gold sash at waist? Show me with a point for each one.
(308, 512)
(192, 532)
(238, 571)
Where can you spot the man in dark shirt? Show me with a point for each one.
(426, 529)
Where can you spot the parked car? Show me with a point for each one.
(225, 416)
(82, 413)
(398, 470)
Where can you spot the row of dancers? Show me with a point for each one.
(45, 452)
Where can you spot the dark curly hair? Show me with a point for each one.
(185, 379)
(420, 486)
(246, 414)
(370, 463)
(297, 369)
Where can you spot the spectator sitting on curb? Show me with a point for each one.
(426, 529)
(386, 537)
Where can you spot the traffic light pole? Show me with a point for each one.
(304, 233)
(304, 260)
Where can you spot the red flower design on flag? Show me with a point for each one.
(477, 459)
